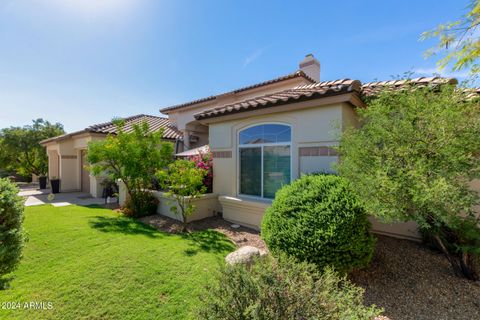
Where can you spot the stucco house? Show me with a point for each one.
(261, 136)
(270, 133)
(66, 153)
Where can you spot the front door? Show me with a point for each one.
(85, 176)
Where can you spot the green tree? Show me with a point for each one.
(413, 158)
(12, 237)
(460, 39)
(133, 157)
(184, 182)
(21, 149)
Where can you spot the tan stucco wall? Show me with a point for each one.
(53, 162)
(64, 162)
(310, 127)
(205, 206)
(244, 212)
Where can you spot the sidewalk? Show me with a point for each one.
(35, 197)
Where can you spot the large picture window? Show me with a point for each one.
(264, 152)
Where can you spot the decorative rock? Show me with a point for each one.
(243, 255)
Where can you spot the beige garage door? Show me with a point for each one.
(85, 174)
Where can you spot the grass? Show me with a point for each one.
(92, 263)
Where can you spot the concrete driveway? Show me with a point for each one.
(35, 197)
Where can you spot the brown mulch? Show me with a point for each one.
(240, 236)
(410, 281)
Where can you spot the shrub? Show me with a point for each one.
(318, 219)
(184, 181)
(205, 161)
(132, 156)
(282, 289)
(141, 205)
(11, 232)
(413, 158)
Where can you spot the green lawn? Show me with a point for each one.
(92, 263)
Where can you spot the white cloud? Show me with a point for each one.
(254, 56)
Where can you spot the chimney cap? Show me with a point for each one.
(311, 66)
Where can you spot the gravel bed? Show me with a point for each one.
(240, 236)
(407, 279)
(411, 281)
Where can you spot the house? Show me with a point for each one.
(66, 153)
(265, 135)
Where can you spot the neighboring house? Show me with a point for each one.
(268, 134)
(66, 153)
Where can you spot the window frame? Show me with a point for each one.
(261, 146)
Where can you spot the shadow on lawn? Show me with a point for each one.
(208, 241)
(123, 225)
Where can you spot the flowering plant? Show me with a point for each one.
(204, 160)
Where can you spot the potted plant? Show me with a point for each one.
(42, 181)
(55, 184)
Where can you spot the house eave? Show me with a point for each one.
(352, 98)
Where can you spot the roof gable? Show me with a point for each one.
(297, 74)
(155, 124)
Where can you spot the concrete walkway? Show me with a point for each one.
(35, 197)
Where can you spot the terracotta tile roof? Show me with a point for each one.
(296, 74)
(471, 93)
(299, 93)
(373, 88)
(155, 123)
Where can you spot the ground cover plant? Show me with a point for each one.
(282, 289)
(93, 263)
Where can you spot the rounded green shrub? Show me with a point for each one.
(12, 236)
(140, 204)
(282, 289)
(318, 219)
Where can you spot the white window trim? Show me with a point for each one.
(261, 145)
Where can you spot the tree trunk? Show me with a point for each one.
(463, 265)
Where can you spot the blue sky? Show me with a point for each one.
(81, 62)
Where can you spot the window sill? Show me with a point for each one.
(255, 199)
(246, 201)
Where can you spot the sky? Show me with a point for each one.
(81, 62)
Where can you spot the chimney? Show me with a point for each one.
(311, 66)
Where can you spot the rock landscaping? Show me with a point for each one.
(410, 281)
(244, 255)
(407, 279)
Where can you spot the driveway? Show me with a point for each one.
(35, 197)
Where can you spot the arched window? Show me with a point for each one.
(264, 152)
